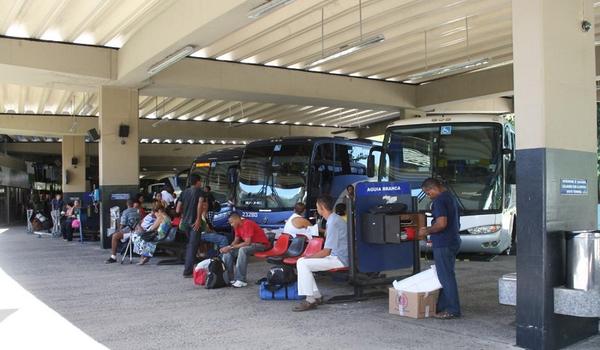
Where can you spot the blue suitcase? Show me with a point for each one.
(289, 292)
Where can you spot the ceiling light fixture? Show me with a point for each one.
(348, 49)
(172, 59)
(267, 7)
(454, 68)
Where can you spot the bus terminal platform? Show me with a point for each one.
(89, 304)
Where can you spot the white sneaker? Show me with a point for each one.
(239, 284)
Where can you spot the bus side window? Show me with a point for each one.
(323, 174)
(342, 160)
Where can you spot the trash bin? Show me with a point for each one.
(583, 260)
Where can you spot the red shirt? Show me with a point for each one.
(250, 229)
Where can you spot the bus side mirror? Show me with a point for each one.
(371, 166)
(509, 152)
(511, 173)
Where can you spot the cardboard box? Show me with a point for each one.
(414, 305)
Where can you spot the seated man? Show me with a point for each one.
(207, 233)
(333, 255)
(249, 239)
(129, 219)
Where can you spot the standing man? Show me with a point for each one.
(57, 205)
(333, 255)
(445, 237)
(189, 207)
(249, 239)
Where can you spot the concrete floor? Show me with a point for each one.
(153, 307)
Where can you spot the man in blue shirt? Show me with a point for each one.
(333, 255)
(445, 238)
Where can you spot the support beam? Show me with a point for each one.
(38, 63)
(202, 78)
(118, 157)
(199, 22)
(494, 82)
(556, 127)
(45, 125)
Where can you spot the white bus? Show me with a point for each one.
(474, 155)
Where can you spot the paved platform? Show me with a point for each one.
(153, 307)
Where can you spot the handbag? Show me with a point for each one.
(75, 223)
(149, 236)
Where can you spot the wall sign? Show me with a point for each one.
(119, 196)
(573, 187)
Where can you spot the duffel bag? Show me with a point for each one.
(281, 292)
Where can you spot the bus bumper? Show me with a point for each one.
(491, 243)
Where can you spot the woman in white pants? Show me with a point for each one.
(333, 255)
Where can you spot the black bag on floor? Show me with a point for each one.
(281, 275)
(216, 269)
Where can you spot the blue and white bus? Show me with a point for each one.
(275, 174)
(218, 169)
(474, 155)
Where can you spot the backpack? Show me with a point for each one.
(216, 269)
(281, 275)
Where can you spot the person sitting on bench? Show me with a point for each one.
(144, 244)
(207, 232)
(297, 224)
(334, 255)
(129, 218)
(249, 239)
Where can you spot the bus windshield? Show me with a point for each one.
(273, 176)
(219, 182)
(467, 157)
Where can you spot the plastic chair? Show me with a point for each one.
(279, 248)
(295, 249)
(313, 246)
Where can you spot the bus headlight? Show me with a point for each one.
(482, 230)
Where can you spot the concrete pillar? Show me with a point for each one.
(118, 156)
(554, 72)
(73, 167)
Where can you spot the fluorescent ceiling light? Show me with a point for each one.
(454, 68)
(348, 49)
(190, 141)
(267, 7)
(85, 38)
(17, 30)
(213, 119)
(183, 117)
(144, 141)
(52, 35)
(116, 42)
(172, 59)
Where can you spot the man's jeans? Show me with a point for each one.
(242, 254)
(194, 240)
(444, 265)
